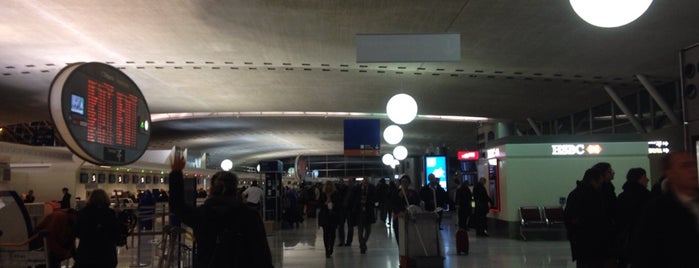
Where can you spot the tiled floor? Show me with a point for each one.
(303, 247)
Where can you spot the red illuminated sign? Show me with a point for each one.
(467, 155)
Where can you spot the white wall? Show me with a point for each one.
(541, 181)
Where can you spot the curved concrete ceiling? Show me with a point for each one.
(519, 59)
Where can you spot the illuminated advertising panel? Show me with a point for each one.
(467, 155)
(437, 165)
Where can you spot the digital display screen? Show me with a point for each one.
(134, 179)
(437, 165)
(147, 179)
(83, 177)
(100, 113)
(101, 178)
(112, 178)
(77, 104)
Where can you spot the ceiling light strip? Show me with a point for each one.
(158, 117)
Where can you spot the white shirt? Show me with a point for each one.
(254, 194)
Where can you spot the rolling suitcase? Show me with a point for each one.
(462, 242)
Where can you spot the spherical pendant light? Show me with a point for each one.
(387, 159)
(226, 164)
(610, 13)
(393, 134)
(400, 152)
(401, 109)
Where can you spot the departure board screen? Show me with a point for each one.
(100, 113)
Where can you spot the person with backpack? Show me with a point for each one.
(228, 233)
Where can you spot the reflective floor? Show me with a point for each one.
(303, 247)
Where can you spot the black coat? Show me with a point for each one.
(667, 234)
(463, 200)
(366, 213)
(629, 208)
(326, 216)
(430, 197)
(222, 218)
(98, 231)
(481, 198)
(65, 201)
(586, 223)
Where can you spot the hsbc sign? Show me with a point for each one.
(467, 155)
(576, 149)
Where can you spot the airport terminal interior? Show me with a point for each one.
(523, 95)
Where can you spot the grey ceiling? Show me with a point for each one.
(520, 59)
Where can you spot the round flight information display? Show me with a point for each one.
(100, 113)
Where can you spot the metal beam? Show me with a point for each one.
(534, 126)
(658, 99)
(632, 118)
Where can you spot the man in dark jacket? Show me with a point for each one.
(629, 205)
(585, 221)
(65, 201)
(228, 233)
(434, 196)
(366, 214)
(668, 230)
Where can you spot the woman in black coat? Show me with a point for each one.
(328, 216)
(228, 233)
(97, 228)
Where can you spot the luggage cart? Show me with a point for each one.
(19, 255)
(420, 243)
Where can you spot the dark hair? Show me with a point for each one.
(602, 167)
(98, 198)
(405, 177)
(635, 174)
(64, 189)
(592, 174)
(224, 183)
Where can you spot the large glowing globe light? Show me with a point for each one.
(400, 152)
(226, 164)
(401, 109)
(387, 159)
(393, 134)
(610, 13)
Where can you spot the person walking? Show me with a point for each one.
(229, 233)
(97, 228)
(366, 214)
(328, 216)
(483, 202)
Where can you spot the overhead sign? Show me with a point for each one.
(658, 147)
(100, 113)
(576, 149)
(467, 155)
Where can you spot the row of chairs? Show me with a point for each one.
(537, 218)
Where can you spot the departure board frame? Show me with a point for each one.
(100, 113)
